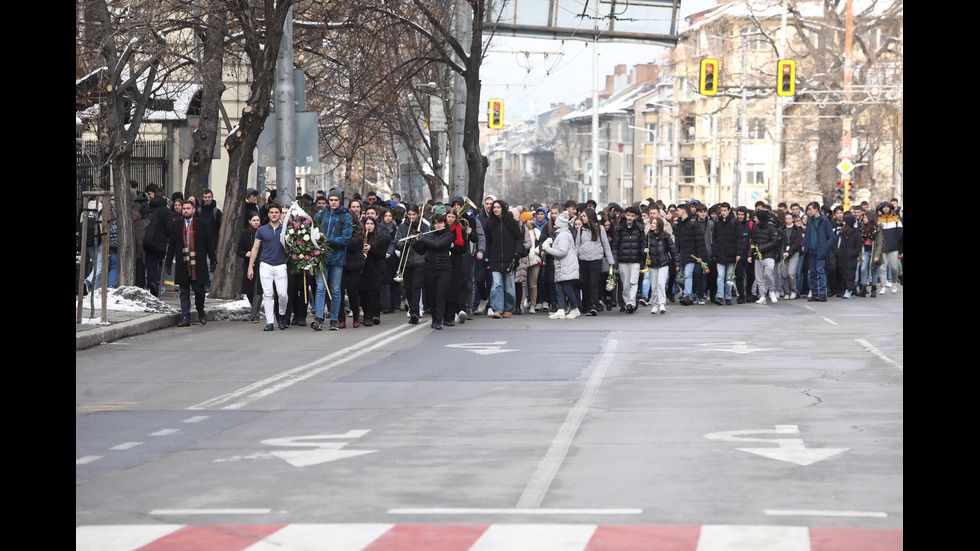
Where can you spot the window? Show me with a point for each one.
(757, 129)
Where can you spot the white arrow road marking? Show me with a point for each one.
(322, 452)
(790, 450)
(738, 347)
(484, 348)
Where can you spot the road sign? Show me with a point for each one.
(845, 153)
(845, 166)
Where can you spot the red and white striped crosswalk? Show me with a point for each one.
(493, 537)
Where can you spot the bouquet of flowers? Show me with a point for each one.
(611, 279)
(645, 269)
(704, 265)
(306, 247)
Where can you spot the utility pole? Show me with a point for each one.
(777, 161)
(846, 133)
(285, 103)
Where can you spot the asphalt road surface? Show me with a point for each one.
(780, 418)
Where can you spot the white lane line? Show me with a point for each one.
(541, 479)
(195, 419)
(270, 385)
(165, 512)
(818, 513)
(830, 321)
(87, 459)
(881, 355)
(126, 446)
(507, 511)
(164, 432)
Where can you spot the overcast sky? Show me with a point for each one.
(554, 71)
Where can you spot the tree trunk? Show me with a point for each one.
(206, 135)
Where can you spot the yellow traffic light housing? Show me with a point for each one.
(786, 77)
(708, 79)
(496, 114)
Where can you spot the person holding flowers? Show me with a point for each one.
(691, 250)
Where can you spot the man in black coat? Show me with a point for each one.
(191, 245)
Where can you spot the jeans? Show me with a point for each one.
(689, 279)
(724, 287)
(502, 297)
(818, 274)
(333, 276)
(866, 275)
(563, 289)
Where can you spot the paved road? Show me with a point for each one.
(787, 416)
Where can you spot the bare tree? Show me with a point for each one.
(256, 29)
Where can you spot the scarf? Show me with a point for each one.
(189, 252)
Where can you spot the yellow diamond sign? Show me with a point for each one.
(845, 167)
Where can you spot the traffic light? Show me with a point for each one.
(708, 79)
(839, 196)
(786, 77)
(496, 116)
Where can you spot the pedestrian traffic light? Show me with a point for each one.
(708, 79)
(496, 115)
(786, 77)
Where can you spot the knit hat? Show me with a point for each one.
(439, 209)
(525, 216)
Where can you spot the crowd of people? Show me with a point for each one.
(457, 260)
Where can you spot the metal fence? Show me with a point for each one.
(148, 163)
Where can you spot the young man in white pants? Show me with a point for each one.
(268, 248)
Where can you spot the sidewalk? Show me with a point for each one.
(134, 311)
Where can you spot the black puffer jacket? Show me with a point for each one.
(690, 241)
(727, 232)
(764, 236)
(662, 251)
(435, 246)
(627, 244)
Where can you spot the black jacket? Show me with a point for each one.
(764, 237)
(627, 243)
(662, 251)
(690, 241)
(726, 237)
(505, 243)
(435, 246)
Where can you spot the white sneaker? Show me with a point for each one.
(530, 309)
(772, 297)
(461, 316)
(663, 310)
(489, 312)
(482, 307)
(654, 310)
(572, 314)
(762, 299)
(792, 295)
(894, 288)
(558, 315)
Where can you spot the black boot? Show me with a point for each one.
(874, 291)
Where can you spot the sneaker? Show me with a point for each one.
(762, 299)
(530, 309)
(792, 295)
(847, 294)
(334, 325)
(269, 327)
(413, 319)
(558, 315)
(654, 310)
(630, 308)
(462, 316)
(643, 302)
(662, 309)
(367, 322)
(490, 313)
(482, 307)
(718, 301)
(701, 301)
(317, 324)
(772, 297)
(593, 312)
(894, 288)
(572, 314)
(728, 302)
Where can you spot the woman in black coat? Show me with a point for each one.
(435, 245)
(375, 249)
(351, 281)
(251, 288)
(847, 248)
(505, 243)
